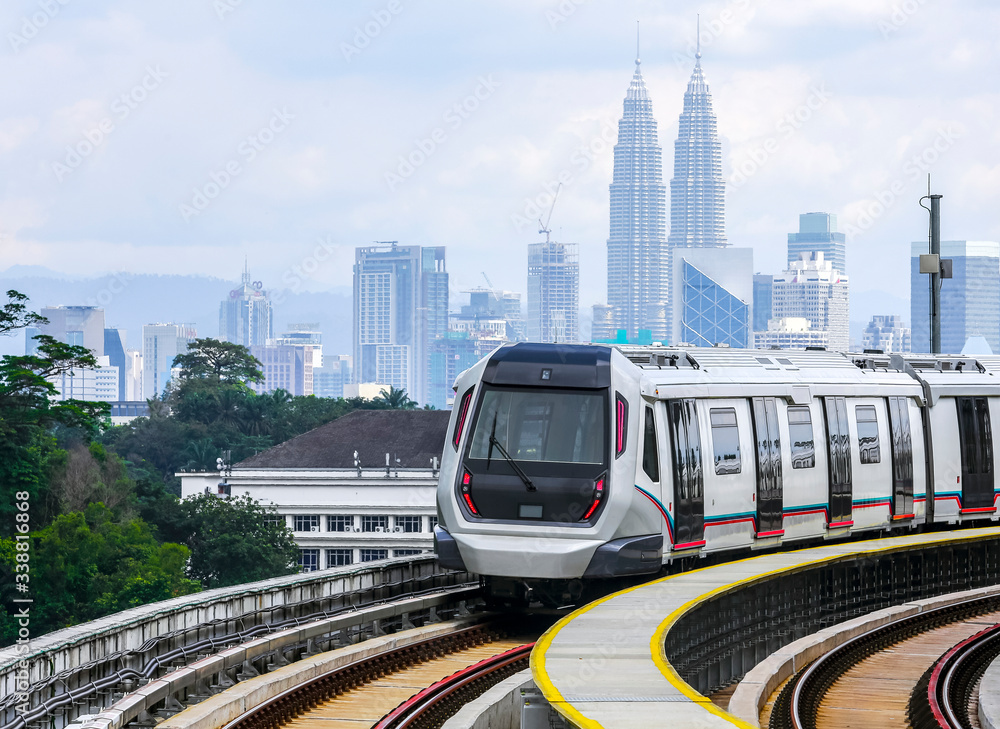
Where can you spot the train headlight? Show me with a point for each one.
(598, 498)
(467, 492)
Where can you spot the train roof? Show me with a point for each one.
(723, 372)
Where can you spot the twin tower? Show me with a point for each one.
(668, 288)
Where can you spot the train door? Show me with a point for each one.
(839, 446)
(689, 489)
(769, 483)
(975, 437)
(902, 457)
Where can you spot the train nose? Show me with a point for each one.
(527, 556)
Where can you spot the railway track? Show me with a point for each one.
(416, 686)
(917, 672)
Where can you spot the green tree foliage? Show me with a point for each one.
(218, 362)
(396, 399)
(28, 413)
(87, 564)
(232, 541)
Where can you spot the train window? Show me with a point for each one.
(901, 446)
(868, 444)
(725, 441)
(650, 458)
(985, 434)
(800, 433)
(463, 412)
(541, 425)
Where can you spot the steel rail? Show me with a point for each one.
(439, 698)
(804, 692)
(952, 678)
(279, 709)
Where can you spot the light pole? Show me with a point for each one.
(931, 263)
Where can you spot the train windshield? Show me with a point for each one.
(542, 425)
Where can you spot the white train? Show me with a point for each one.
(569, 462)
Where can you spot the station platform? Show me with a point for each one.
(606, 664)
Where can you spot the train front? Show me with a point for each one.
(537, 475)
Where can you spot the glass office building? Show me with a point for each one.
(970, 300)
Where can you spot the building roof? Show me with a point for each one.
(412, 436)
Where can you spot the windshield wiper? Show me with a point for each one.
(494, 443)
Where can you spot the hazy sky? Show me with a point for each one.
(179, 136)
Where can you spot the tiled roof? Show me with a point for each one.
(412, 436)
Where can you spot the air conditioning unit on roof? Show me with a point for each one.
(314, 529)
(397, 529)
(379, 530)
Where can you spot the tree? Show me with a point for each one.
(86, 565)
(396, 399)
(235, 540)
(14, 314)
(218, 362)
(28, 412)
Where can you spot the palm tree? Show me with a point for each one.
(396, 399)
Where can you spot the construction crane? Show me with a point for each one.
(492, 288)
(544, 228)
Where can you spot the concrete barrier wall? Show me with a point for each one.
(497, 708)
(757, 686)
(73, 647)
(989, 697)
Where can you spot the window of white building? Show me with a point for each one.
(370, 555)
(309, 559)
(306, 523)
(374, 524)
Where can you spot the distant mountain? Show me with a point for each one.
(132, 300)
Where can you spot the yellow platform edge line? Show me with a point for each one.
(657, 653)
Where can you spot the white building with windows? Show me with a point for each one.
(345, 508)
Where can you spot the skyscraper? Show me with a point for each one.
(79, 325)
(245, 317)
(813, 289)
(160, 344)
(712, 296)
(970, 300)
(636, 245)
(553, 292)
(697, 190)
(818, 232)
(888, 333)
(400, 307)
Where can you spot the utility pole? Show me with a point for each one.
(931, 263)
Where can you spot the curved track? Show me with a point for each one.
(878, 678)
(420, 685)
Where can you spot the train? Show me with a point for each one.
(566, 465)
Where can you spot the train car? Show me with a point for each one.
(574, 462)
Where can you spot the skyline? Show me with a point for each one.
(301, 120)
